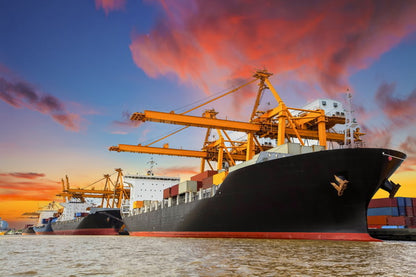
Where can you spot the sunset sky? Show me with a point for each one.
(72, 72)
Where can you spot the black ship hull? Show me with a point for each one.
(101, 222)
(291, 197)
(45, 229)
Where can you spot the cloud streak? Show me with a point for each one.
(179, 170)
(319, 43)
(125, 122)
(21, 94)
(110, 5)
(409, 147)
(25, 175)
(27, 186)
(400, 111)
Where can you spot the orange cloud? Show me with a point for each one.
(27, 186)
(179, 170)
(204, 42)
(26, 175)
(110, 5)
(21, 94)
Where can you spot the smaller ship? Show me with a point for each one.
(80, 217)
(46, 216)
(28, 230)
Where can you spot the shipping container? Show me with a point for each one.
(188, 186)
(77, 214)
(402, 210)
(414, 202)
(408, 202)
(392, 211)
(401, 201)
(409, 211)
(201, 176)
(199, 185)
(375, 226)
(396, 220)
(166, 193)
(174, 190)
(207, 182)
(44, 220)
(219, 178)
(392, 227)
(377, 220)
(138, 204)
(408, 221)
(383, 202)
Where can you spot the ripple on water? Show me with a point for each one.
(135, 256)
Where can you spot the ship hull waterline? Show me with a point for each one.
(106, 222)
(286, 198)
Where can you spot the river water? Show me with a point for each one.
(138, 256)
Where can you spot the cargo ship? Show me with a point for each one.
(46, 216)
(80, 218)
(283, 188)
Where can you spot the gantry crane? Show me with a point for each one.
(112, 195)
(277, 123)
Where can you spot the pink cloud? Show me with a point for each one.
(110, 5)
(401, 111)
(409, 147)
(126, 122)
(25, 175)
(21, 94)
(207, 42)
(179, 170)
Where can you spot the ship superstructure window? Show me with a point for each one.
(335, 104)
(324, 103)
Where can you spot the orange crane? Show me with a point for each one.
(277, 123)
(111, 197)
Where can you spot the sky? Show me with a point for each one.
(71, 73)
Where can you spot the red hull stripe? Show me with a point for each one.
(45, 233)
(90, 231)
(261, 235)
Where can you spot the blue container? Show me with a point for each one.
(402, 210)
(408, 202)
(392, 211)
(401, 201)
(393, 227)
(44, 220)
(77, 214)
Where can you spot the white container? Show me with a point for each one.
(188, 186)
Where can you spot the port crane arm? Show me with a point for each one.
(170, 151)
(195, 121)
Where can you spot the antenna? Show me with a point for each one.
(350, 122)
(152, 164)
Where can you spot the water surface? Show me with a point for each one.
(137, 256)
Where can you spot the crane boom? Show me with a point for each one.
(195, 121)
(277, 123)
(170, 151)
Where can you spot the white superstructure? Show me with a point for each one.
(331, 107)
(72, 208)
(148, 187)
